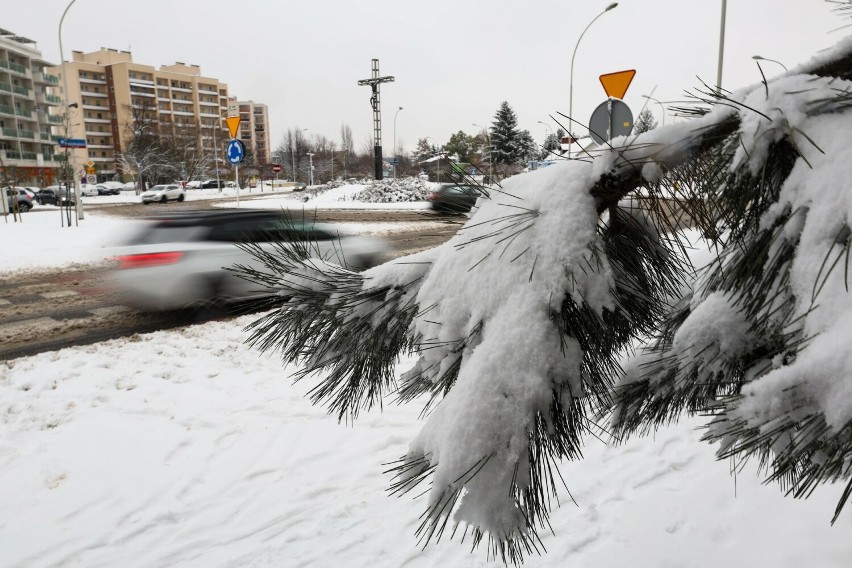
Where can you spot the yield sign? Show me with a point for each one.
(233, 123)
(615, 84)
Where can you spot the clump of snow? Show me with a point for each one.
(400, 190)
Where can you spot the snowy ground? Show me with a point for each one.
(188, 448)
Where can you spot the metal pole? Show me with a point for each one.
(395, 158)
(216, 124)
(78, 201)
(721, 47)
(571, 81)
(237, 176)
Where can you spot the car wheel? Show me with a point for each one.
(25, 207)
(163, 199)
(181, 197)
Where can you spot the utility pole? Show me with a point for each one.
(374, 83)
(311, 165)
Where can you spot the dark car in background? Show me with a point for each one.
(54, 195)
(212, 184)
(454, 198)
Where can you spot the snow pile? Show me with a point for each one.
(395, 191)
(403, 190)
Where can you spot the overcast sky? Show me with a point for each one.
(453, 61)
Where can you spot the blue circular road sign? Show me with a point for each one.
(236, 152)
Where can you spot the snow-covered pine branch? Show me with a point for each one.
(521, 319)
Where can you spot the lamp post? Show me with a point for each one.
(293, 150)
(721, 47)
(78, 201)
(759, 58)
(571, 81)
(659, 103)
(310, 156)
(395, 158)
(490, 160)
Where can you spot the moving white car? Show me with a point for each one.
(182, 260)
(163, 193)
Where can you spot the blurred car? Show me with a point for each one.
(454, 198)
(212, 184)
(299, 186)
(88, 190)
(194, 184)
(163, 193)
(114, 186)
(20, 198)
(56, 195)
(103, 189)
(181, 261)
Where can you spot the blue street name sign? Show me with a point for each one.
(236, 152)
(71, 142)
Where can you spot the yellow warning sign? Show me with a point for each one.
(615, 84)
(233, 123)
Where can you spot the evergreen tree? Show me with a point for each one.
(504, 136)
(644, 122)
(528, 150)
(422, 151)
(523, 319)
(462, 145)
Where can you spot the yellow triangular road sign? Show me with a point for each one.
(615, 84)
(233, 123)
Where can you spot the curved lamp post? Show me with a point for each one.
(659, 103)
(394, 141)
(77, 198)
(571, 81)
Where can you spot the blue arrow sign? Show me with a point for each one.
(236, 152)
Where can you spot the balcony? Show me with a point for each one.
(47, 136)
(26, 134)
(5, 87)
(20, 90)
(98, 107)
(5, 109)
(11, 132)
(92, 81)
(56, 119)
(92, 94)
(53, 99)
(18, 68)
(24, 113)
(4, 64)
(12, 155)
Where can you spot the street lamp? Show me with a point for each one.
(293, 150)
(310, 156)
(721, 47)
(395, 158)
(490, 161)
(659, 103)
(759, 58)
(77, 197)
(571, 81)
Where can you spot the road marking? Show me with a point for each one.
(59, 294)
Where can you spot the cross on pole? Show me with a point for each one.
(374, 83)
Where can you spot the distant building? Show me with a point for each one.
(254, 130)
(115, 96)
(28, 92)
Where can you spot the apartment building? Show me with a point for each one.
(118, 99)
(254, 130)
(28, 93)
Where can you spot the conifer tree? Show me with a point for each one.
(505, 136)
(644, 122)
(565, 309)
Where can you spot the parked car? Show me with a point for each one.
(106, 190)
(212, 184)
(55, 195)
(454, 198)
(88, 190)
(163, 193)
(194, 184)
(114, 186)
(18, 197)
(299, 186)
(181, 261)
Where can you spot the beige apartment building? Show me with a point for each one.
(254, 130)
(28, 93)
(117, 99)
